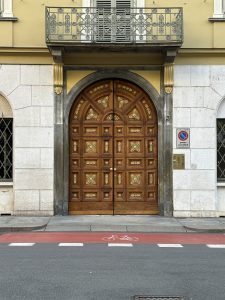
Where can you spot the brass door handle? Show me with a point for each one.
(112, 169)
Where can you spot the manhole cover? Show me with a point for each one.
(158, 298)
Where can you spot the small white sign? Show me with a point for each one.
(183, 138)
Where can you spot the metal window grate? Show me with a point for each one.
(6, 148)
(221, 149)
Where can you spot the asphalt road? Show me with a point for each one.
(99, 272)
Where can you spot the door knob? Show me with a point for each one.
(112, 169)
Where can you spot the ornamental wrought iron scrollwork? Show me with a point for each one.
(114, 25)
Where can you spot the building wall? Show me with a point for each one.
(26, 81)
(198, 93)
(29, 90)
(29, 31)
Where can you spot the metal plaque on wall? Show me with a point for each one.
(183, 138)
(178, 162)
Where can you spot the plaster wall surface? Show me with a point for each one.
(29, 91)
(198, 92)
(29, 30)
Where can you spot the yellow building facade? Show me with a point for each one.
(112, 107)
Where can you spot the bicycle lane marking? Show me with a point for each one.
(110, 237)
(120, 237)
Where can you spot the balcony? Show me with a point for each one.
(76, 29)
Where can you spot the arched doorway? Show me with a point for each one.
(113, 150)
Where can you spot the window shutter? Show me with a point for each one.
(124, 26)
(123, 3)
(113, 25)
(113, 3)
(104, 26)
(103, 3)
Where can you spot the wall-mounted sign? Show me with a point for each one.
(178, 162)
(183, 138)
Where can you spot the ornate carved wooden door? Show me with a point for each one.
(113, 151)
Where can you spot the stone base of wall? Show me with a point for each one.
(195, 214)
(40, 213)
(6, 199)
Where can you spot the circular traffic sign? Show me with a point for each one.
(183, 135)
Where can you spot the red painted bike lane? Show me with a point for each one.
(112, 237)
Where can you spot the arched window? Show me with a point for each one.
(6, 140)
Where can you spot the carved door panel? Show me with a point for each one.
(135, 151)
(113, 151)
(91, 151)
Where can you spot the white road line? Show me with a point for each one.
(170, 245)
(71, 244)
(120, 245)
(216, 246)
(21, 244)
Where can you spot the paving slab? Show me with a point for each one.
(68, 227)
(112, 223)
(12, 223)
(203, 224)
(155, 228)
(120, 228)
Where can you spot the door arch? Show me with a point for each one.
(113, 155)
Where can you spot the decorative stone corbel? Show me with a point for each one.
(168, 78)
(58, 78)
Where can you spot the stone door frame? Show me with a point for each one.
(63, 104)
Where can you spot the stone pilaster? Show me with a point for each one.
(58, 139)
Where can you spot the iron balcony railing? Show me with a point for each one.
(114, 25)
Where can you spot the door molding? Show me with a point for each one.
(162, 106)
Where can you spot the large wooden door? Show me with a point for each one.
(113, 151)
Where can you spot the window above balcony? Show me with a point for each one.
(219, 11)
(121, 26)
(6, 12)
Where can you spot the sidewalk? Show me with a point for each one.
(112, 223)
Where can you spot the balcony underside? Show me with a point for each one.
(63, 53)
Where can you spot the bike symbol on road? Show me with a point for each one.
(115, 237)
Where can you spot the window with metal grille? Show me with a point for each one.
(114, 23)
(6, 149)
(221, 149)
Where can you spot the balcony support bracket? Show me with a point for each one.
(57, 54)
(58, 78)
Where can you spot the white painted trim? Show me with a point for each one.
(6, 6)
(140, 3)
(6, 183)
(219, 9)
(86, 3)
(1, 7)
